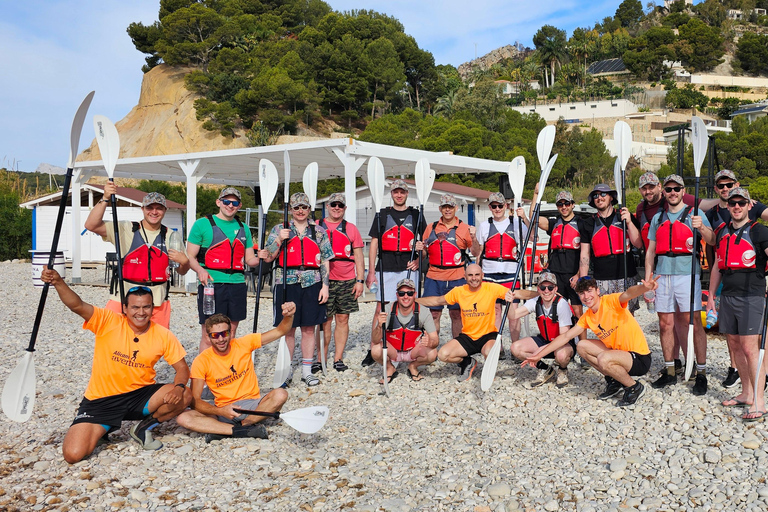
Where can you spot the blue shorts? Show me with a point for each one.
(434, 288)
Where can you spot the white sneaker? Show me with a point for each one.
(562, 378)
(543, 376)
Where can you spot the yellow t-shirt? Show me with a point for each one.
(231, 377)
(615, 326)
(478, 309)
(121, 365)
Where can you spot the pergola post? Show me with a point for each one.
(351, 166)
(78, 177)
(193, 174)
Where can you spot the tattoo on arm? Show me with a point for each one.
(324, 274)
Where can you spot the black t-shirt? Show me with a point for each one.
(564, 261)
(750, 284)
(396, 261)
(718, 215)
(608, 267)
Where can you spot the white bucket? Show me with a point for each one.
(40, 262)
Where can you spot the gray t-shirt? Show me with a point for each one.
(425, 317)
(678, 265)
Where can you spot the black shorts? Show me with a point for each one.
(742, 316)
(475, 346)
(230, 299)
(540, 342)
(564, 289)
(341, 298)
(308, 311)
(113, 410)
(640, 364)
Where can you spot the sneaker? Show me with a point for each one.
(310, 380)
(679, 368)
(612, 388)
(664, 381)
(339, 366)
(562, 378)
(256, 430)
(317, 366)
(632, 394)
(215, 437)
(732, 379)
(700, 388)
(467, 368)
(289, 379)
(144, 437)
(368, 361)
(543, 376)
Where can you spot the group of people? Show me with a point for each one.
(591, 283)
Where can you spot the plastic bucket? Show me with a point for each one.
(40, 262)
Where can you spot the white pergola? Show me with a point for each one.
(336, 158)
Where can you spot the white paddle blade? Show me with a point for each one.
(622, 138)
(759, 369)
(544, 177)
(489, 367)
(287, 171)
(108, 141)
(385, 380)
(376, 181)
(544, 143)
(268, 182)
(690, 356)
(425, 180)
(307, 420)
(700, 141)
(310, 183)
(19, 391)
(617, 178)
(321, 335)
(77, 128)
(516, 174)
(282, 364)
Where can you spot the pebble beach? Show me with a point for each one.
(433, 445)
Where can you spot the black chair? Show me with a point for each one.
(111, 266)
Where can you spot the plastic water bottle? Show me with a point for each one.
(175, 243)
(650, 300)
(209, 303)
(374, 287)
(711, 319)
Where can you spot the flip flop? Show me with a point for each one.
(746, 416)
(733, 402)
(415, 377)
(390, 378)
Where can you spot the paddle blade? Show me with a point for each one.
(622, 137)
(19, 391)
(310, 183)
(690, 356)
(516, 175)
(321, 335)
(385, 380)
(268, 182)
(544, 177)
(425, 179)
(617, 178)
(700, 141)
(287, 170)
(544, 143)
(77, 128)
(376, 181)
(489, 368)
(307, 420)
(759, 369)
(282, 364)
(108, 141)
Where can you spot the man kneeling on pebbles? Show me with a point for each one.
(227, 368)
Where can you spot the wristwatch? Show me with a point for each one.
(104, 200)
(360, 280)
(182, 386)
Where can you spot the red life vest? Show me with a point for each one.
(445, 252)
(398, 237)
(303, 252)
(340, 241)
(223, 255)
(565, 235)
(645, 224)
(549, 326)
(735, 250)
(607, 240)
(146, 263)
(403, 337)
(674, 238)
(500, 246)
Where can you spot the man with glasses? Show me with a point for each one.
(411, 334)
(122, 386)
(741, 254)
(308, 252)
(219, 247)
(144, 249)
(670, 237)
(227, 368)
(347, 278)
(602, 242)
(446, 242)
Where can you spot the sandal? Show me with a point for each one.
(734, 402)
(749, 416)
(390, 378)
(415, 377)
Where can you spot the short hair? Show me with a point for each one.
(217, 318)
(584, 284)
(138, 291)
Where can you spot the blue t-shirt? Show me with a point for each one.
(678, 265)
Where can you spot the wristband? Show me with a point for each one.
(104, 201)
(182, 386)
(360, 281)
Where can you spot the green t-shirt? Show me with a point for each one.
(202, 234)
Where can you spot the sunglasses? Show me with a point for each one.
(497, 206)
(300, 207)
(403, 294)
(547, 288)
(721, 186)
(218, 335)
(741, 203)
(672, 189)
(230, 202)
(560, 204)
(599, 194)
(337, 204)
(137, 288)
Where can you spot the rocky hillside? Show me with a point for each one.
(488, 60)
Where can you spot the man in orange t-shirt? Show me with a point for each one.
(621, 352)
(122, 384)
(477, 301)
(227, 368)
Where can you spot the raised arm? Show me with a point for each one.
(95, 221)
(289, 309)
(646, 285)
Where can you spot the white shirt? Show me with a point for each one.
(501, 267)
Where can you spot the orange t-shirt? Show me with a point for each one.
(615, 326)
(231, 377)
(463, 240)
(478, 309)
(121, 365)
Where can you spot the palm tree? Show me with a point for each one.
(445, 104)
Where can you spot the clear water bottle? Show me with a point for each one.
(711, 319)
(374, 287)
(209, 303)
(175, 242)
(650, 300)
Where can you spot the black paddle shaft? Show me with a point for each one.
(285, 253)
(624, 228)
(520, 225)
(381, 283)
(261, 268)
(416, 236)
(113, 202)
(258, 413)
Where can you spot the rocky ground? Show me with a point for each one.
(433, 445)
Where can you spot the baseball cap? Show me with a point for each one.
(230, 191)
(299, 198)
(337, 197)
(497, 197)
(448, 200)
(602, 187)
(739, 192)
(676, 178)
(398, 183)
(648, 178)
(154, 198)
(725, 173)
(406, 282)
(564, 195)
(548, 277)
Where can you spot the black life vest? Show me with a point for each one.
(340, 241)
(445, 252)
(403, 337)
(146, 263)
(501, 246)
(303, 252)
(674, 238)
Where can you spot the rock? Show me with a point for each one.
(751, 444)
(618, 465)
(551, 506)
(355, 392)
(499, 489)
(712, 456)
(183, 450)
(42, 465)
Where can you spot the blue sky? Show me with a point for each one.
(54, 52)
